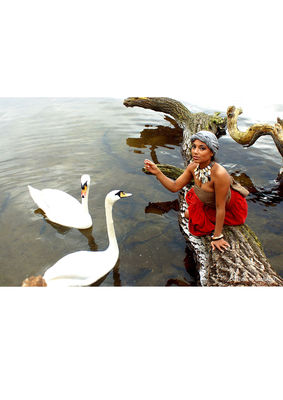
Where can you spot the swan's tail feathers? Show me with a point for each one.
(37, 197)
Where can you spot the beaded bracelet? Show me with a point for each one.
(217, 238)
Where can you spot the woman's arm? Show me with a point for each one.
(170, 184)
(221, 187)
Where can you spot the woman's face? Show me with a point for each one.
(200, 152)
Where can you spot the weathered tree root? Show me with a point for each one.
(245, 264)
(249, 137)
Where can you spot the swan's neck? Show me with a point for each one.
(85, 202)
(113, 245)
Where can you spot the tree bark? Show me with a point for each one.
(245, 263)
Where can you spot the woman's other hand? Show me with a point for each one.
(151, 167)
(220, 245)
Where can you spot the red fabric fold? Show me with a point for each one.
(202, 217)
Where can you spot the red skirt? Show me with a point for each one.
(202, 217)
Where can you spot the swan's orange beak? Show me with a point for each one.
(83, 192)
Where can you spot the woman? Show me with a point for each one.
(212, 202)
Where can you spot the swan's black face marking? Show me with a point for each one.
(122, 194)
(119, 194)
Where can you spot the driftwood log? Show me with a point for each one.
(250, 136)
(245, 263)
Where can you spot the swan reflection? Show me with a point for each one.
(63, 230)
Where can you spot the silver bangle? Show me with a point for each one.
(217, 238)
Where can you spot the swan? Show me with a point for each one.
(63, 209)
(83, 268)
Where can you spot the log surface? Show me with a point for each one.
(245, 263)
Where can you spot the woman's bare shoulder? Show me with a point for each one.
(220, 172)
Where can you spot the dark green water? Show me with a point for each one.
(50, 142)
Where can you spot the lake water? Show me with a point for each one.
(51, 142)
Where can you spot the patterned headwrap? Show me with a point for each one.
(208, 138)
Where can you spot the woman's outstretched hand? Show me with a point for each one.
(220, 245)
(151, 167)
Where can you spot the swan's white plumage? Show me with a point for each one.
(83, 268)
(63, 209)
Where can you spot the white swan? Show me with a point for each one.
(83, 268)
(63, 209)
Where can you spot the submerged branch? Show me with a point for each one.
(169, 170)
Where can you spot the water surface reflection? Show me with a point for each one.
(161, 136)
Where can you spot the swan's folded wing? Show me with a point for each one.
(37, 197)
(61, 208)
(81, 268)
(58, 198)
